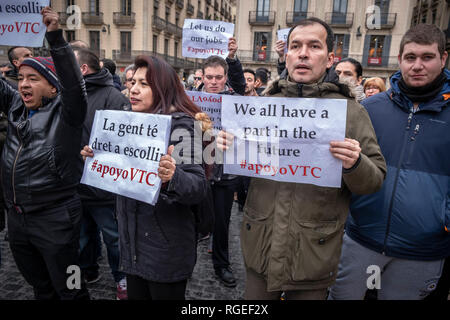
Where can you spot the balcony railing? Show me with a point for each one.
(171, 28)
(294, 16)
(387, 21)
(337, 19)
(180, 4)
(159, 23)
(170, 1)
(92, 18)
(385, 62)
(175, 62)
(190, 9)
(251, 56)
(122, 57)
(122, 19)
(261, 18)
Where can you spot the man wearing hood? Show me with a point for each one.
(98, 205)
(223, 76)
(402, 231)
(291, 233)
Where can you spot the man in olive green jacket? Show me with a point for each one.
(291, 233)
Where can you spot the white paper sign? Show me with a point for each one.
(21, 22)
(282, 34)
(285, 139)
(211, 104)
(127, 148)
(204, 38)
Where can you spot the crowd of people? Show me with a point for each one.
(299, 241)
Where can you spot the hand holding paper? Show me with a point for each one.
(232, 48)
(87, 152)
(348, 151)
(224, 140)
(279, 48)
(167, 166)
(50, 19)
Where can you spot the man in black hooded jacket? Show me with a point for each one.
(98, 205)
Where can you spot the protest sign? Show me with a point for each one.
(204, 38)
(21, 23)
(282, 34)
(285, 139)
(127, 149)
(209, 103)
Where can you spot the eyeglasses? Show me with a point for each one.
(197, 78)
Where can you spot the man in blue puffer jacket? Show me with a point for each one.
(397, 239)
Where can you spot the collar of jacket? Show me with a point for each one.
(436, 104)
(329, 82)
(226, 90)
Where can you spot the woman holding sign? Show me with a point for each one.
(158, 243)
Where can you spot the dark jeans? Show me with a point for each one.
(242, 190)
(223, 202)
(443, 287)
(103, 218)
(44, 244)
(142, 289)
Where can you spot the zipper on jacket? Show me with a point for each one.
(391, 203)
(14, 167)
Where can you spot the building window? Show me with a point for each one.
(70, 3)
(167, 13)
(384, 10)
(262, 11)
(300, 10)
(70, 35)
(166, 47)
(155, 44)
(376, 50)
(433, 16)
(126, 7)
(263, 7)
(176, 50)
(94, 7)
(339, 12)
(94, 41)
(155, 8)
(341, 46)
(261, 45)
(177, 18)
(125, 42)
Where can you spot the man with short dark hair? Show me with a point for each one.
(16, 55)
(350, 73)
(222, 76)
(111, 67)
(261, 79)
(291, 233)
(402, 231)
(250, 76)
(98, 205)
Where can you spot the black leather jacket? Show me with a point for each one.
(39, 161)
